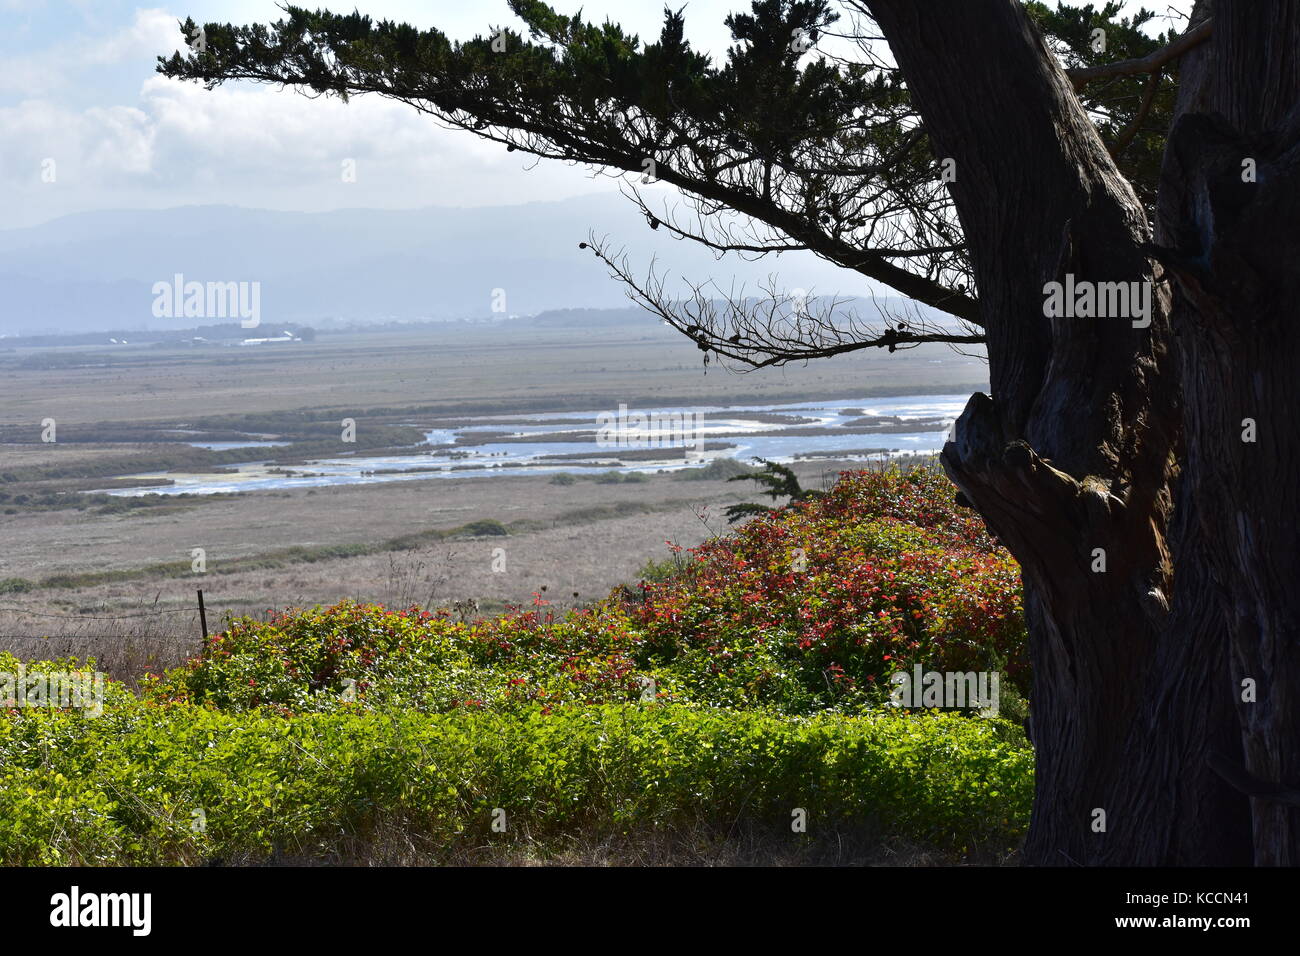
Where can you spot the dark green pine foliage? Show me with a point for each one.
(779, 481)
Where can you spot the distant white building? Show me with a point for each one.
(282, 337)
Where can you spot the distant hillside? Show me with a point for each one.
(589, 318)
(95, 271)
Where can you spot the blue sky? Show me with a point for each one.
(78, 96)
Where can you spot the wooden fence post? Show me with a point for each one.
(203, 615)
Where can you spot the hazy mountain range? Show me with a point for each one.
(95, 271)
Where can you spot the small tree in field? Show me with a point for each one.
(780, 482)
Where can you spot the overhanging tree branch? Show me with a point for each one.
(775, 329)
(1151, 63)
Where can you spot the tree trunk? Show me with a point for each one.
(1233, 247)
(1100, 434)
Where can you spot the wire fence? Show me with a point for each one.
(189, 609)
(141, 640)
(154, 616)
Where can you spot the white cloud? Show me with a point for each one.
(104, 144)
(124, 136)
(254, 146)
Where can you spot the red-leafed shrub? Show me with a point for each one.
(808, 609)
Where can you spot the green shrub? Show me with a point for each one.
(657, 571)
(484, 527)
(719, 469)
(128, 787)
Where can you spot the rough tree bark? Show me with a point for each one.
(1232, 246)
(1099, 434)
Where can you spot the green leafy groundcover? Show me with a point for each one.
(745, 683)
(126, 787)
